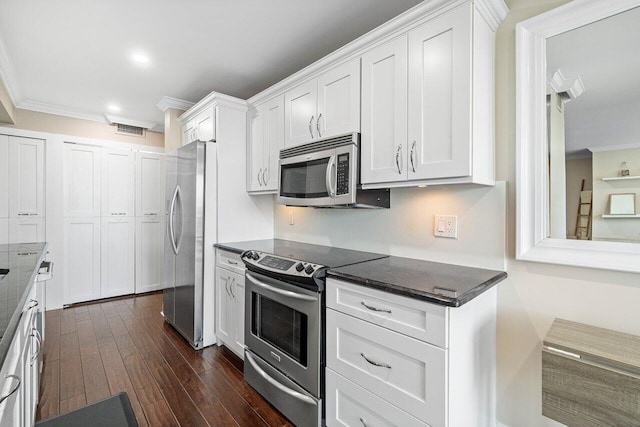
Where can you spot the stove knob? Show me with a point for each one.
(299, 267)
(255, 255)
(309, 269)
(248, 254)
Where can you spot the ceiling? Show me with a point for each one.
(606, 56)
(74, 57)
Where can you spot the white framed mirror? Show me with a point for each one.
(548, 82)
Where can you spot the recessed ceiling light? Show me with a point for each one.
(140, 58)
(113, 107)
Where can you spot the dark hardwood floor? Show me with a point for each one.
(96, 350)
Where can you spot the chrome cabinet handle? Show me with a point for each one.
(226, 285)
(382, 310)
(413, 147)
(318, 125)
(265, 176)
(15, 388)
(231, 288)
(371, 362)
(32, 304)
(259, 181)
(398, 158)
(363, 422)
(310, 129)
(35, 334)
(27, 214)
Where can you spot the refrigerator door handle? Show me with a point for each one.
(172, 235)
(179, 200)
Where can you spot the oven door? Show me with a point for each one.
(282, 326)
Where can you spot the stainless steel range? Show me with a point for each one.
(284, 325)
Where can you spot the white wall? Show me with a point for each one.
(406, 229)
(535, 294)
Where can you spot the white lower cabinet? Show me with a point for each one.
(351, 405)
(399, 361)
(82, 259)
(230, 302)
(117, 257)
(29, 230)
(11, 386)
(149, 253)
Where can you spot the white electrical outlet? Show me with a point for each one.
(446, 226)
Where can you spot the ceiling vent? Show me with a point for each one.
(123, 129)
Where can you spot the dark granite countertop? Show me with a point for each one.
(445, 284)
(23, 262)
(440, 283)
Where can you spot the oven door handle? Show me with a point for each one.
(276, 384)
(279, 291)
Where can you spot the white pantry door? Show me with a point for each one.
(117, 257)
(81, 186)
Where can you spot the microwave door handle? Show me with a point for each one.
(279, 291)
(331, 166)
(276, 384)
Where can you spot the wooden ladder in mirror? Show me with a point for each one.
(583, 219)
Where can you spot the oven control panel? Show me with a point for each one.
(281, 265)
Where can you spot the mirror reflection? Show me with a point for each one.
(593, 123)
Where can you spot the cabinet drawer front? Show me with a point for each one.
(418, 319)
(350, 405)
(406, 372)
(230, 261)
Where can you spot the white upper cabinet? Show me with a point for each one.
(265, 126)
(201, 127)
(26, 175)
(324, 106)
(82, 180)
(118, 174)
(427, 104)
(384, 112)
(4, 176)
(149, 184)
(440, 73)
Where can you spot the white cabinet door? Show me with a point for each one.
(81, 187)
(82, 259)
(205, 125)
(149, 253)
(273, 112)
(224, 319)
(4, 231)
(149, 184)
(189, 132)
(118, 172)
(4, 178)
(117, 257)
(26, 175)
(11, 378)
(255, 167)
(440, 96)
(237, 294)
(339, 100)
(28, 230)
(300, 113)
(383, 145)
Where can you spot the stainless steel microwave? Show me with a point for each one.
(326, 173)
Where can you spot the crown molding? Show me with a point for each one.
(493, 11)
(131, 122)
(8, 75)
(58, 110)
(175, 103)
(214, 99)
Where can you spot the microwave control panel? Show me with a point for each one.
(342, 186)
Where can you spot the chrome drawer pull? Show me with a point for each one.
(32, 303)
(381, 365)
(15, 388)
(363, 422)
(232, 262)
(369, 307)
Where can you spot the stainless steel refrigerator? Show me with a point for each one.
(184, 241)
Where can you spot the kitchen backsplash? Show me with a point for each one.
(406, 229)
